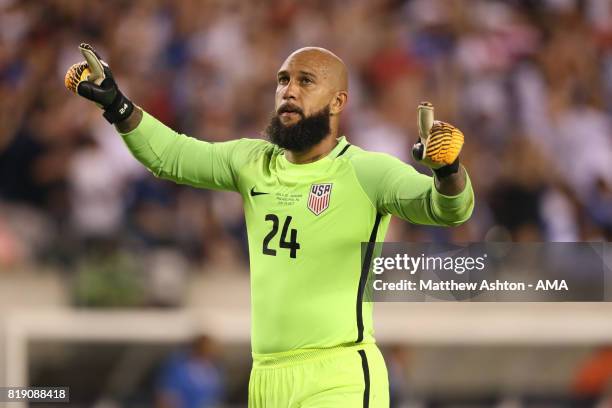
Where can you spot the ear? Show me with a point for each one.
(338, 103)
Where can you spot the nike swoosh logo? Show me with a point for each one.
(256, 193)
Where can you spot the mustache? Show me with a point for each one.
(289, 108)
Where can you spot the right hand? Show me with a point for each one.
(93, 80)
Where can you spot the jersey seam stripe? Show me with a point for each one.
(366, 378)
(343, 150)
(365, 268)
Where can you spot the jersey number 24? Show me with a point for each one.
(292, 244)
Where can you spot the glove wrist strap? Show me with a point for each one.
(447, 170)
(119, 110)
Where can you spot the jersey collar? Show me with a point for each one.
(321, 163)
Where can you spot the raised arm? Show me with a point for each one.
(183, 159)
(417, 198)
(397, 188)
(165, 152)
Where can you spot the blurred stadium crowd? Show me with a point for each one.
(529, 83)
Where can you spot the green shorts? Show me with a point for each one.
(351, 377)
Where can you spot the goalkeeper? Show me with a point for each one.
(310, 200)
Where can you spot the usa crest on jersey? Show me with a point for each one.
(318, 199)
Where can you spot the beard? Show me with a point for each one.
(301, 136)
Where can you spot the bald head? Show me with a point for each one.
(329, 64)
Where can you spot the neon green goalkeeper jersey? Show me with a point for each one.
(305, 224)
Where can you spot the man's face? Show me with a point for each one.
(302, 88)
(301, 119)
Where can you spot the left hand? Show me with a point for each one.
(439, 143)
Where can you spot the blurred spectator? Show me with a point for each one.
(594, 377)
(398, 360)
(191, 378)
(600, 206)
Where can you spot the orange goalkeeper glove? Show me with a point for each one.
(439, 143)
